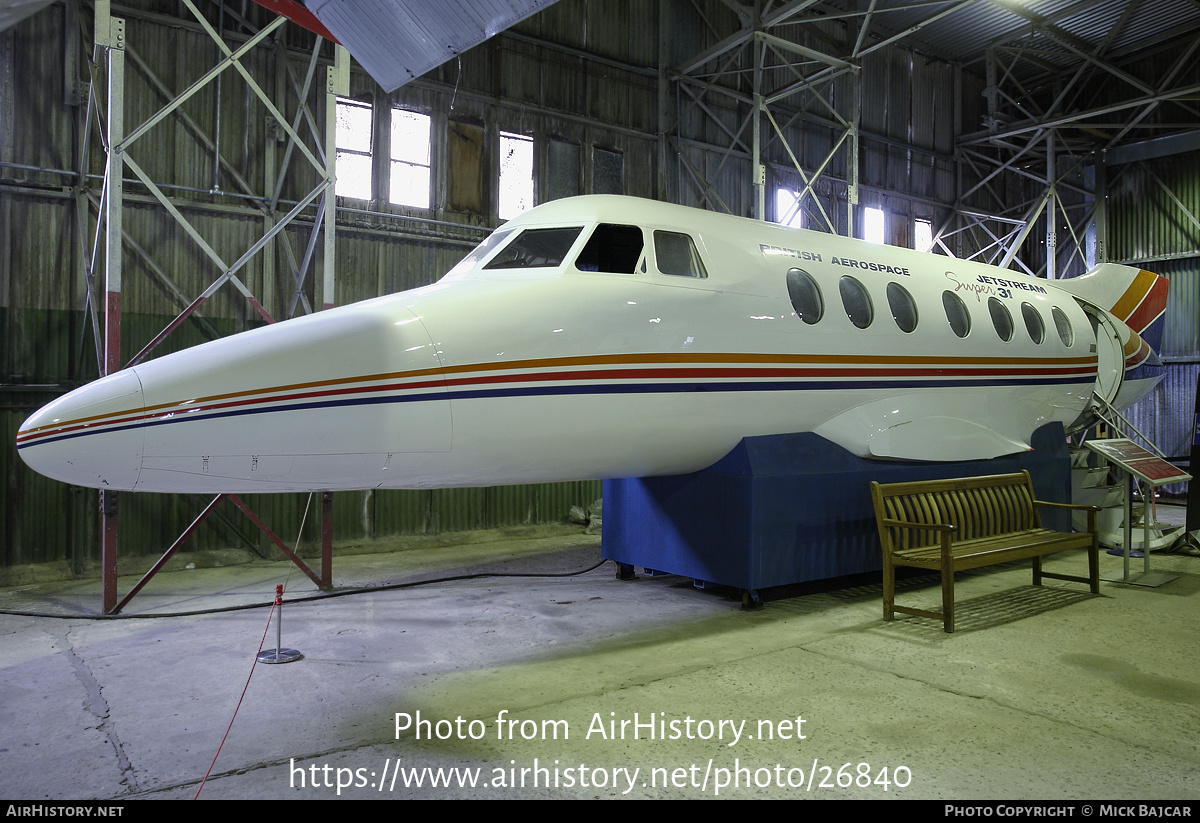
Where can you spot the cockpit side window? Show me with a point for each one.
(612, 248)
(536, 248)
(676, 254)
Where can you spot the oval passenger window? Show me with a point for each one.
(904, 310)
(956, 313)
(856, 302)
(1063, 325)
(805, 295)
(1033, 323)
(1001, 319)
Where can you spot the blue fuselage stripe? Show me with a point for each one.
(199, 415)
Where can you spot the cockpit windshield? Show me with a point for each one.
(481, 251)
(536, 248)
(611, 248)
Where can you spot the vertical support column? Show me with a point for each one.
(113, 38)
(114, 172)
(958, 159)
(266, 290)
(1051, 216)
(991, 93)
(337, 82)
(1192, 521)
(758, 169)
(852, 160)
(326, 540)
(664, 45)
(1101, 193)
(70, 53)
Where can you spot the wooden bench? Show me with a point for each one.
(966, 523)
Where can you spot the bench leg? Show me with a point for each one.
(889, 589)
(1037, 570)
(947, 597)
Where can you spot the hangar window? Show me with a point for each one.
(615, 249)
(923, 235)
(873, 225)
(1063, 325)
(536, 248)
(805, 295)
(562, 161)
(410, 159)
(352, 136)
(516, 175)
(676, 254)
(956, 313)
(856, 302)
(1001, 319)
(608, 171)
(904, 310)
(787, 208)
(1033, 323)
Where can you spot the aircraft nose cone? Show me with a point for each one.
(89, 437)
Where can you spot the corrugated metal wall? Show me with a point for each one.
(1154, 207)
(584, 72)
(48, 342)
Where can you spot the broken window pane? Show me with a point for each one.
(516, 175)
(608, 172)
(564, 169)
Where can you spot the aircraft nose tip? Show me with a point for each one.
(89, 437)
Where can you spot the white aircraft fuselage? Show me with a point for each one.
(603, 337)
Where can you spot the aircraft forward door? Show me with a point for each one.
(1110, 353)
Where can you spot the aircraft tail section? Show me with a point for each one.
(1136, 297)
(1128, 307)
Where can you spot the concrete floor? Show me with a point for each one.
(1046, 693)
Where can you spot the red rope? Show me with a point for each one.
(240, 699)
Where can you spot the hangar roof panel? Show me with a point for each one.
(399, 41)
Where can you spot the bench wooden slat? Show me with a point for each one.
(965, 523)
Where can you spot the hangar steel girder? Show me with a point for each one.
(1058, 102)
(1055, 114)
(735, 69)
(319, 205)
(719, 73)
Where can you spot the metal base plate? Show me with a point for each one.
(283, 656)
(1150, 579)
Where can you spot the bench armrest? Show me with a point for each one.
(945, 534)
(1080, 506)
(1091, 510)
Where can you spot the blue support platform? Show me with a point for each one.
(787, 509)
